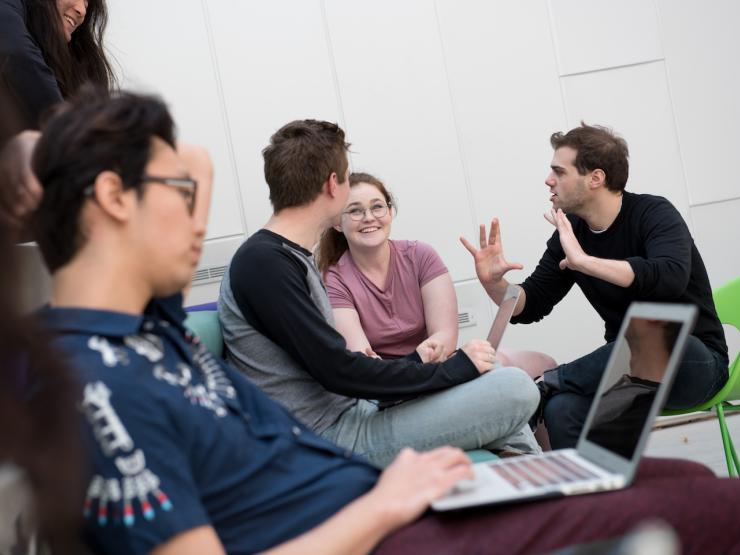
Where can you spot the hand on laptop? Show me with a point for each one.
(413, 480)
(481, 354)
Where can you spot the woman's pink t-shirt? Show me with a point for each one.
(392, 317)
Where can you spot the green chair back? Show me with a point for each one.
(205, 324)
(727, 302)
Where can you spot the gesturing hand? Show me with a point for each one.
(490, 264)
(574, 255)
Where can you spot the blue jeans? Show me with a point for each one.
(700, 375)
(489, 412)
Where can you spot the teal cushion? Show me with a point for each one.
(480, 455)
(205, 324)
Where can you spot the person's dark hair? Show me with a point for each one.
(300, 158)
(83, 58)
(39, 425)
(94, 133)
(333, 243)
(597, 147)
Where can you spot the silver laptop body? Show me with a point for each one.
(503, 316)
(633, 388)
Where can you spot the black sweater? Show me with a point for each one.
(284, 309)
(650, 234)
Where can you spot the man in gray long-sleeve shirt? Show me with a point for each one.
(278, 329)
(618, 247)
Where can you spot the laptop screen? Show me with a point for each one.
(505, 310)
(635, 372)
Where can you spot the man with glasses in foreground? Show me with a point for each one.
(278, 328)
(186, 456)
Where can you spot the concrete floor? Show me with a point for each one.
(698, 440)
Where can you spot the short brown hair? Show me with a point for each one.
(300, 158)
(597, 147)
(333, 243)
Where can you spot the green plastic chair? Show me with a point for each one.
(205, 324)
(727, 301)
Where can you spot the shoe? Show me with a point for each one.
(546, 391)
(507, 453)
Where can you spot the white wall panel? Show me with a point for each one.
(717, 235)
(216, 254)
(171, 57)
(507, 107)
(635, 102)
(472, 299)
(701, 43)
(399, 117)
(275, 67)
(598, 34)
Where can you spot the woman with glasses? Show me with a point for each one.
(391, 297)
(388, 296)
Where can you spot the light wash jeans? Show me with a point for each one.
(489, 412)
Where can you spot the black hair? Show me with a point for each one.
(81, 60)
(93, 133)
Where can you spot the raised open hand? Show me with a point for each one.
(490, 263)
(574, 254)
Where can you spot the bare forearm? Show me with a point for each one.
(497, 290)
(448, 338)
(618, 272)
(354, 530)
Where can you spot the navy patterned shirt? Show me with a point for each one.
(179, 440)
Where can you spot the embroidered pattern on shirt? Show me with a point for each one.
(137, 481)
(112, 356)
(147, 345)
(198, 394)
(215, 387)
(216, 379)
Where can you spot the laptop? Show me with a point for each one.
(633, 388)
(503, 316)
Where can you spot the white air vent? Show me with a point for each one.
(208, 275)
(466, 318)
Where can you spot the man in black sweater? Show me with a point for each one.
(618, 247)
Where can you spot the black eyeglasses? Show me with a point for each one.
(377, 210)
(186, 186)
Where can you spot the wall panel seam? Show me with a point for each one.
(334, 74)
(224, 116)
(676, 125)
(456, 123)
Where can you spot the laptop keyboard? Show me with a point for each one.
(529, 472)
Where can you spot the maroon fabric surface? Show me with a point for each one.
(698, 506)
